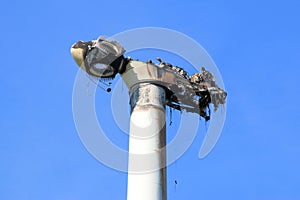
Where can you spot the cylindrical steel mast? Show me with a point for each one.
(147, 155)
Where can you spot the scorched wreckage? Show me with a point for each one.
(104, 59)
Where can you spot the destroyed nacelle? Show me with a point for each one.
(103, 58)
(100, 58)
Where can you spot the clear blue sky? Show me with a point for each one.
(255, 45)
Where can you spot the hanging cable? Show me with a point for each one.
(171, 116)
(107, 90)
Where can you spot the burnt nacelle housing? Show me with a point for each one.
(101, 58)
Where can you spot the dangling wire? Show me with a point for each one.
(207, 110)
(175, 181)
(100, 80)
(171, 116)
(107, 90)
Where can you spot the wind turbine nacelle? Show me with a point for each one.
(101, 58)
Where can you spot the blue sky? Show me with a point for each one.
(255, 45)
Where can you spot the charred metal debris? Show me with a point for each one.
(197, 95)
(104, 59)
